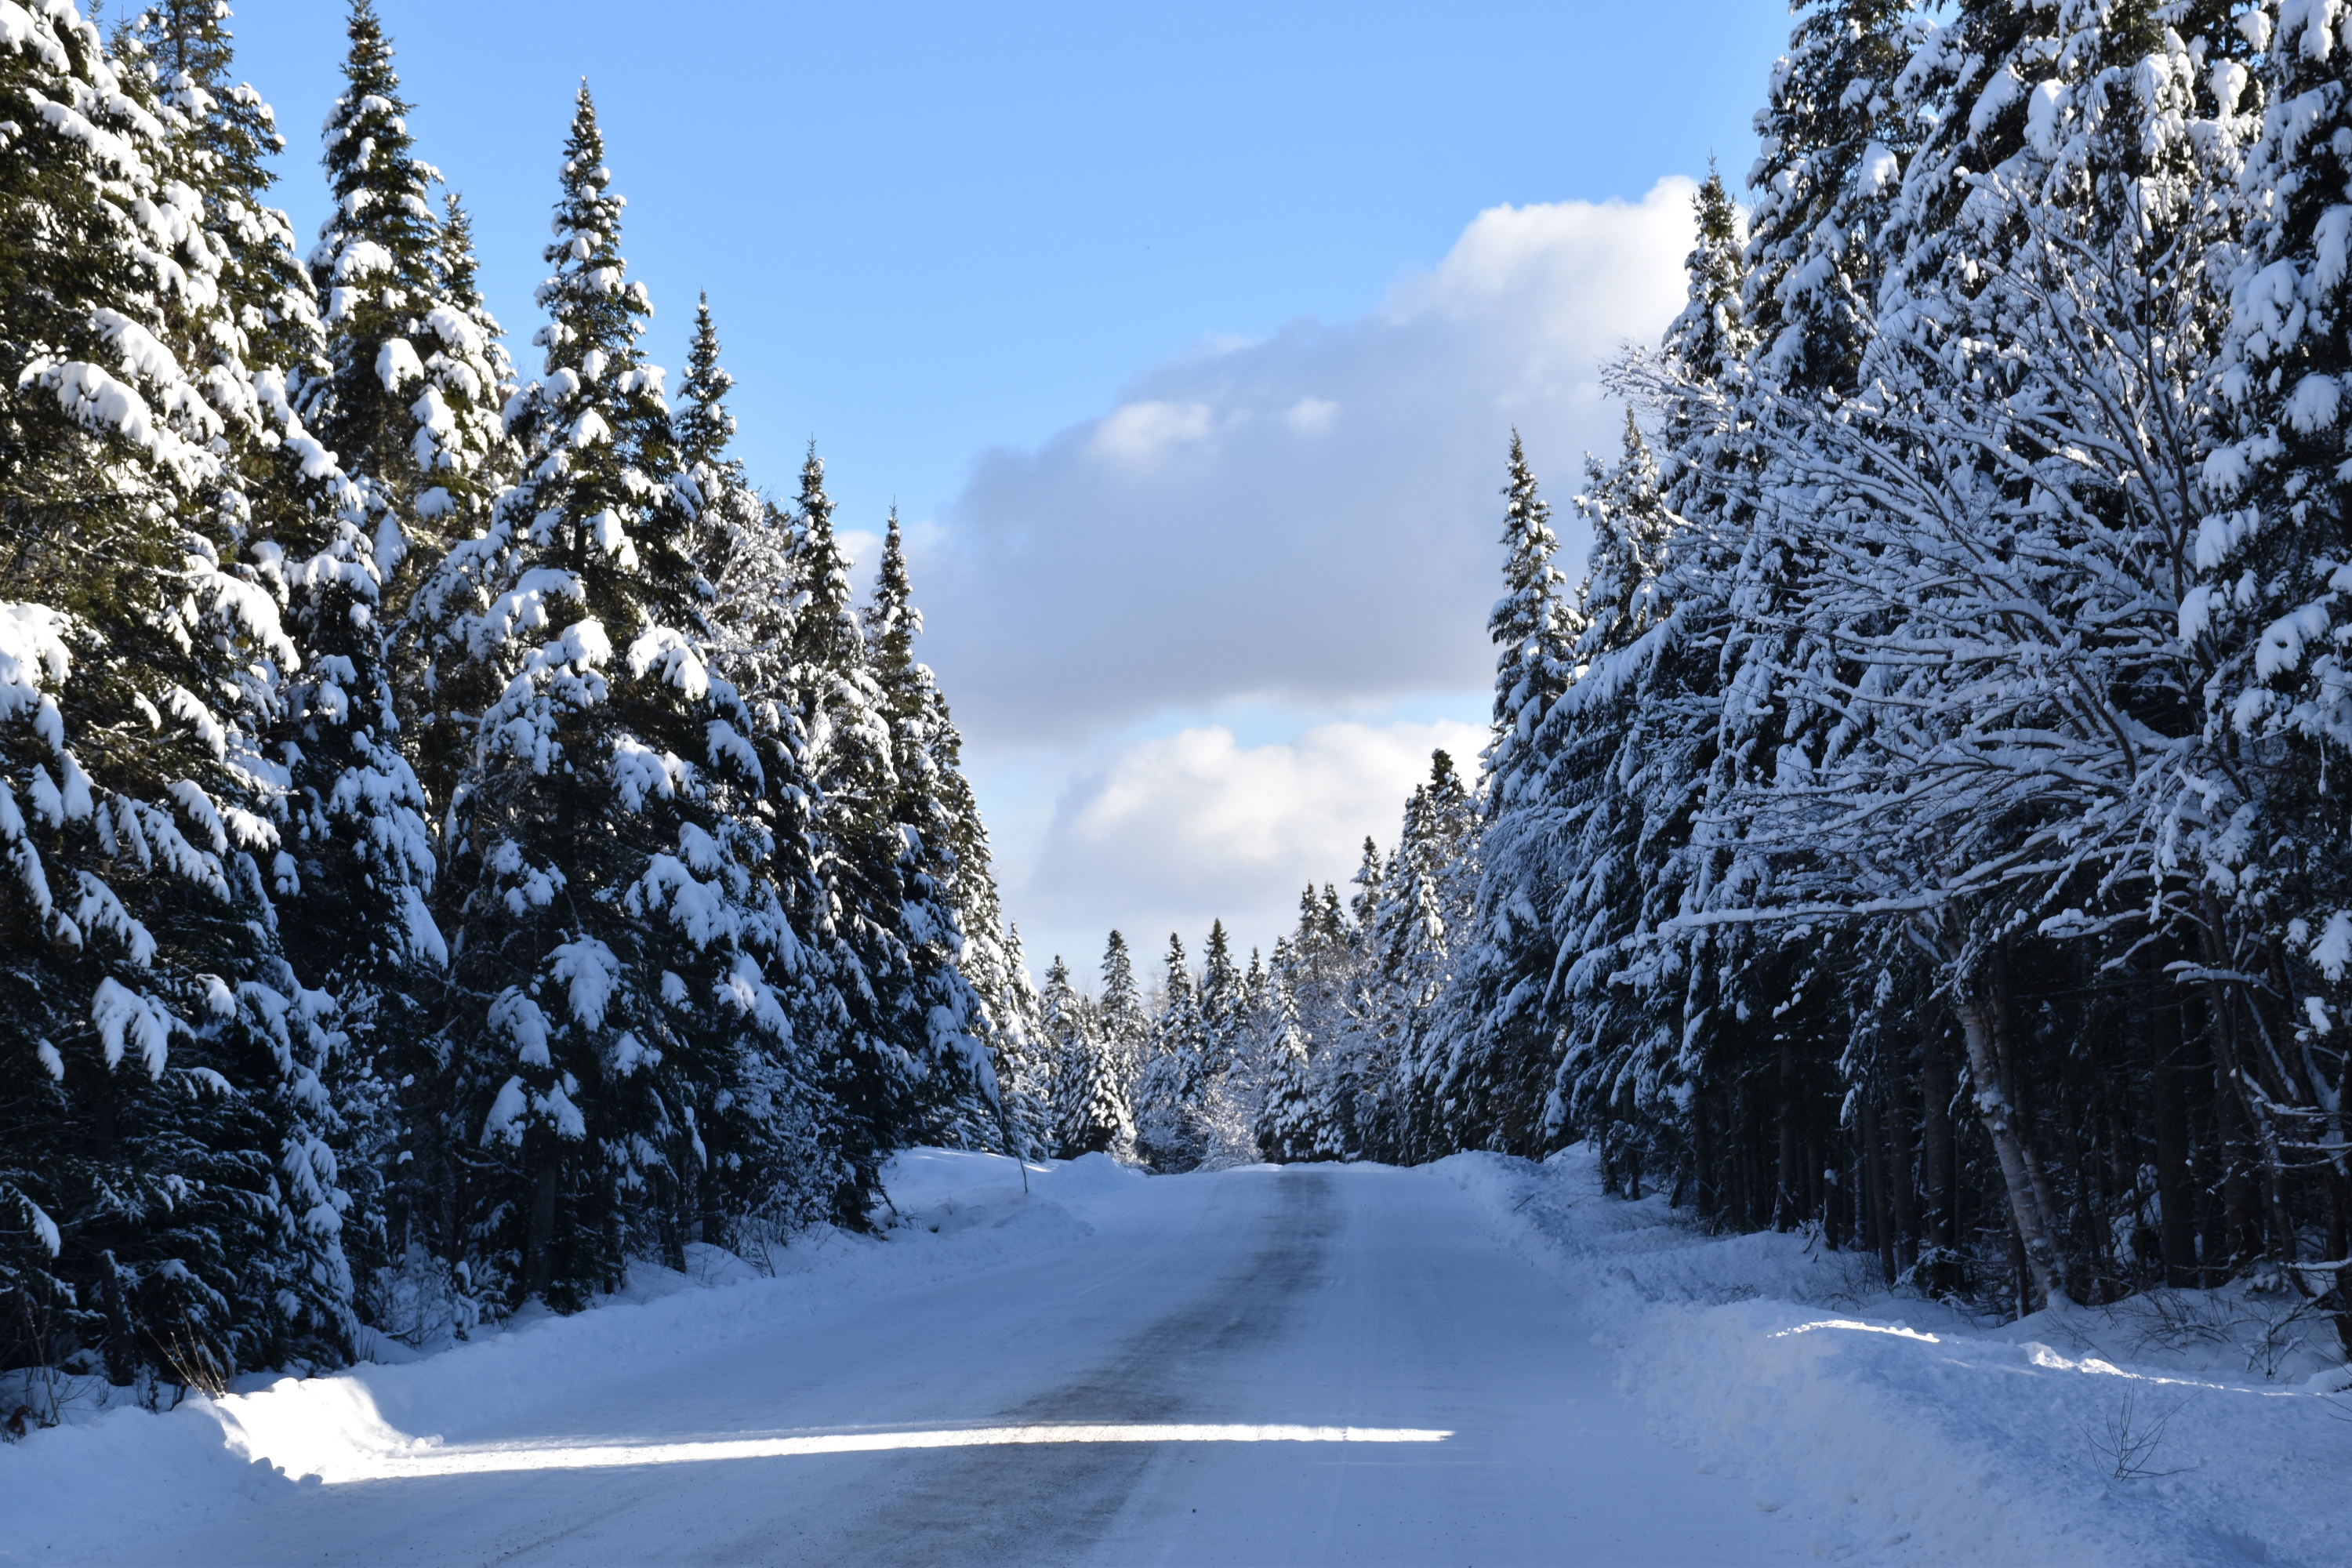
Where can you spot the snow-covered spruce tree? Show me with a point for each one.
(412, 400)
(1352, 1088)
(965, 966)
(1321, 965)
(1125, 1021)
(1170, 1084)
(1581, 859)
(602, 888)
(1025, 1062)
(1835, 143)
(166, 1204)
(1090, 1113)
(281, 498)
(1833, 146)
(1224, 1001)
(771, 1159)
(249, 330)
(1424, 916)
(2268, 616)
(1498, 1047)
(247, 327)
(1223, 1109)
(1286, 1131)
(906, 1059)
(1637, 778)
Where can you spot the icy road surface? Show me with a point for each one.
(1316, 1364)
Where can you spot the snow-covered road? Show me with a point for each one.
(1259, 1304)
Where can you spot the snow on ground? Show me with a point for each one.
(2179, 1427)
(63, 1487)
(2189, 1428)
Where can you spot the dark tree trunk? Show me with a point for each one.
(539, 1249)
(2175, 1181)
(1939, 1158)
(1789, 1203)
(1902, 1211)
(1874, 1185)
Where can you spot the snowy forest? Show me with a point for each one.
(463, 833)
(460, 833)
(1917, 824)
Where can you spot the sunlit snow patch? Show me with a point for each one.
(602, 1457)
(1898, 1330)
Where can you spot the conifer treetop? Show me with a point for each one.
(828, 628)
(597, 312)
(1531, 624)
(1711, 336)
(893, 623)
(383, 221)
(1630, 529)
(460, 268)
(704, 424)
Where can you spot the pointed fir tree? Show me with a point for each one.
(1169, 1087)
(1834, 144)
(961, 978)
(355, 861)
(1286, 1132)
(772, 1160)
(410, 401)
(1422, 919)
(1533, 626)
(1223, 1003)
(608, 985)
(171, 1204)
(1090, 1112)
(880, 1064)
(1125, 1019)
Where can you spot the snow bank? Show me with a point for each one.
(1910, 1432)
(61, 1491)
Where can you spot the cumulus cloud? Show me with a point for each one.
(1309, 519)
(1169, 833)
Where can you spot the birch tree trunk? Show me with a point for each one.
(2009, 1147)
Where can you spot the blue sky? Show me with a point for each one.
(1127, 307)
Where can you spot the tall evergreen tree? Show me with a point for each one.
(1170, 1083)
(774, 1149)
(1413, 948)
(951, 925)
(1500, 1030)
(1089, 1103)
(1285, 1119)
(170, 1204)
(608, 984)
(1834, 147)
(1126, 1021)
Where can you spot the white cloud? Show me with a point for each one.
(1170, 831)
(1137, 433)
(1310, 519)
(1310, 415)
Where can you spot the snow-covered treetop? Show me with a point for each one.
(1829, 162)
(1711, 337)
(596, 309)
(704, 426)
(827, 633)
(1630, 537)
(1532, 624)
(382, 226)
(893, 622)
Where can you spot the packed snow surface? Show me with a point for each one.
(1483, 1361)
